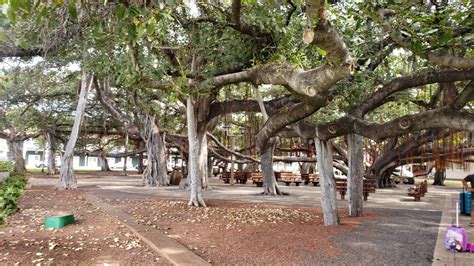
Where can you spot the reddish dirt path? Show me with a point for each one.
(236, 233)
(94, 239)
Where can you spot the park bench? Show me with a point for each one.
(368, 187)
(240, 177)
(289, 178)
(310, 178)
(418, 191)
(256, 178)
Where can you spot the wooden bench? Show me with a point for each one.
(341, 187)
(289, 178)
(240, 177)
(278, 175)
(418, 191)
(310, 178)
(256, 178)
(368, 187)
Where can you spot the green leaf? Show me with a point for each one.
(3, 37)
(98, 28)
(149, 28)
(418, 46)
(322, 52)
(140, 31)
(445, 37)
(119, 11)
(73, 11)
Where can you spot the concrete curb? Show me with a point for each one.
(167, 247)
(441, 256)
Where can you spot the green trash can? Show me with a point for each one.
(58, 221)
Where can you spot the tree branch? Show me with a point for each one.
(410, 81)
(433, 57)
(249, 158)
(438, 118)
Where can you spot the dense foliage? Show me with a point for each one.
(10, 191)
(6, 166)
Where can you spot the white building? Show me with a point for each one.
(3, 150)
(34, 158)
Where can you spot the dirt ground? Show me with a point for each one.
(236, 233)
(94, 239)
(224, 233)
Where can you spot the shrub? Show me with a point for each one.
(6, 167)
(10, 191)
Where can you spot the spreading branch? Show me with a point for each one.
(432, 56)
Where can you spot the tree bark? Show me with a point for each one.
(16, 150)
(124, 172)
(326, 179)
(439, 177)
(141, 167)
(49, 153)
(104, 162)
(210, 163)
(270, 184)
(67, 180)
(355, 185)
(202, 157)
(194, 171)
(155, 172)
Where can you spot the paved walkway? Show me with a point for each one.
(393, 201)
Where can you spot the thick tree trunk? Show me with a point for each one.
(439, 177)
(124, 170)
(306, 168)
(67, 180)
(194, 171)
(49, 153)
(155, 172)
(383, 177)
(141, 167)
(202, 157)
(104, 167)
(326, 180)
(140, 145)
(355, 182)
(16, 150)
(270, 184)
(210, 163)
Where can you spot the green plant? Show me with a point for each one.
(6, 166)
(10, 192)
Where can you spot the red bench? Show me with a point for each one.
(369, 187)
(310, 178)
(418, 191)
(289, 178)
(256, 178)
(240, 177)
